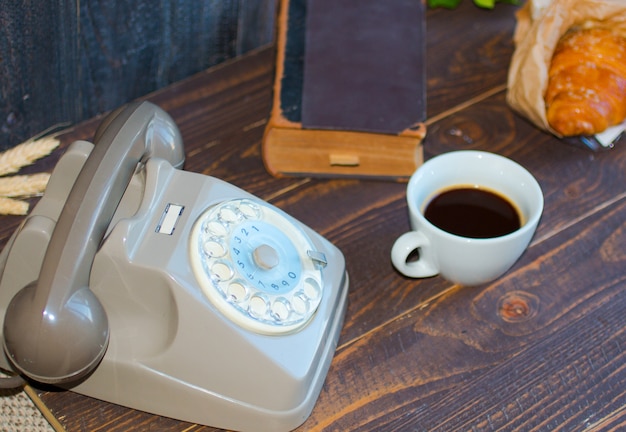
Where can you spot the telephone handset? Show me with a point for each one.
(169, 291)
(70, 310)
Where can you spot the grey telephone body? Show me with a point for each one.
(214, 307)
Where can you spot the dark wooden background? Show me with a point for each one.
(68, 60)
(540, 349)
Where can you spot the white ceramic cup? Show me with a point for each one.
(465, 260)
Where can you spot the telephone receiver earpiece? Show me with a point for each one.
(56, 330)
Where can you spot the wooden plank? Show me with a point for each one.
(70, 61)
(255, 24)
(540, 348)
(374, 214)
(32, 41)
(133, 48)
(468, 51)
(464, 362)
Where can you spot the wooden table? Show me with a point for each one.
(542, 348)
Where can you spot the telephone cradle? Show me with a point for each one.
(175, 293)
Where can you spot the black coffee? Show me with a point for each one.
(472, 212)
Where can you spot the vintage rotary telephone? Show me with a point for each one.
(167, 291)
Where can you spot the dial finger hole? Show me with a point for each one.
(281, 309)
(237, 292)
(312, 288)
(214, 248)
(216, 228)
(250, 210)
(300, 304)
(229, 214)
(258, 306)
(222, 271)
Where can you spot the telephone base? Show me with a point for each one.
(172, 352)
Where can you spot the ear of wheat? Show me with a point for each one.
(23, 186)
(10, 206)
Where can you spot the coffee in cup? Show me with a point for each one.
(472, 215)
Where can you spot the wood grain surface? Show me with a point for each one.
(542, 348)
(66, 61)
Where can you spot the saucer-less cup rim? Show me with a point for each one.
(478, 169)
(529, 221)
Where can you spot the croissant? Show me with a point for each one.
(586, 90)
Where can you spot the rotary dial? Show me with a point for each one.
(256, 267)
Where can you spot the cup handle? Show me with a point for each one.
(405, 244)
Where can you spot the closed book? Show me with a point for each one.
(349, 90)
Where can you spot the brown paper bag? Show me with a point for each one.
(540, 25)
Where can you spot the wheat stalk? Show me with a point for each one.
(23, 185)
(10, 206)
(26, 153)
(11, 161)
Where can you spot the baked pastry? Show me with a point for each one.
(586, 90)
